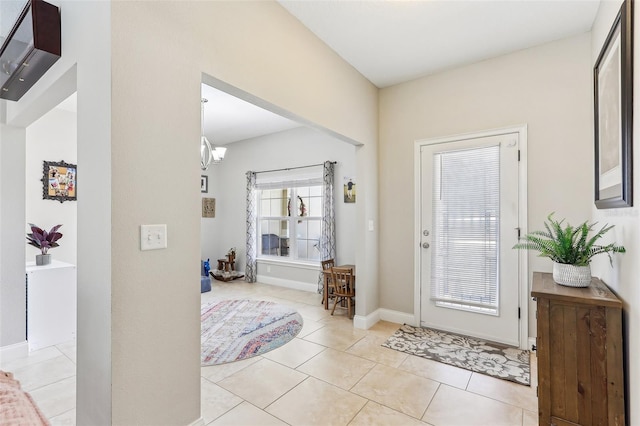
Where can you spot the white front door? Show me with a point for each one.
(469, 281)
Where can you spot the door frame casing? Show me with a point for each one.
(523, 264)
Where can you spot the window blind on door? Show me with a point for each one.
(466, 208)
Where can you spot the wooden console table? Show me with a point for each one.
(580, 354)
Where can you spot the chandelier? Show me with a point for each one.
(208, 153)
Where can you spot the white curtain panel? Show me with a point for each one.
(328, 237)
(251, 267)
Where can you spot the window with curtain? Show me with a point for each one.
(289, 216)
(466, 209)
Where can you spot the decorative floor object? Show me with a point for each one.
(17, 406)
(492, 359)
(238, 329)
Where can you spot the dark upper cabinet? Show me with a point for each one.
(31, 47)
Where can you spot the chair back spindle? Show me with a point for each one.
(328, 264)
(343, 287)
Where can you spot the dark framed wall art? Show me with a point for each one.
(613, 95)
(208, 207)
(59, 181)
(204, 183)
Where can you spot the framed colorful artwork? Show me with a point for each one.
(59, 181)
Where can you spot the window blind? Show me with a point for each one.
(308, 176)
(466, 208)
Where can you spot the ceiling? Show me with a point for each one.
(391, 41)
(394, 41)
(228, 119)
(70, 104)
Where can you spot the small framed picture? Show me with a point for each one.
(204, 183)
(59, 181)
(349, 189)
(208, 207)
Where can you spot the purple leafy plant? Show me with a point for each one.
(42, 239)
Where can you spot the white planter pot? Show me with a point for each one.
(43, 259)
(571, 275)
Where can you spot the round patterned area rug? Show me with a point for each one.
(238, 329)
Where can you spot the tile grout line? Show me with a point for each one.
(62, 414)
(280, 397)
(430, 402)
(324, 322)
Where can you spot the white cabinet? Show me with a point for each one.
(51, 304)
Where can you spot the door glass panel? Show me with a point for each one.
(466, 208)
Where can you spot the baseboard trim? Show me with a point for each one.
(199, 422)
(396, 316)
(367, 321)
(11, 352)
(296, 285)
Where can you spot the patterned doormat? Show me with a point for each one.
(492, 359)
(238, 329)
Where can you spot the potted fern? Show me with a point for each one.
(570, 248)
(43, 241)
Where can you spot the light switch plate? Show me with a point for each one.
(153, 237)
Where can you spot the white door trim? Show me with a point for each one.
(523, 265)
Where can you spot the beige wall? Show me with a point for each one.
(138, 81)
(159, 51)
(623, 277)
(546, 87)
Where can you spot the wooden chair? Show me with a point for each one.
(344, 288)
(328, 264)
(328, 282)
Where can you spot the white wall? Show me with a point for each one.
(85, 67)
(623, 277)
(547, 87)
(227, 183)
(13, 328)
(51, 138)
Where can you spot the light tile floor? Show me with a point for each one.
(330, 374)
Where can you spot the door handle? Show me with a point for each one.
(425, 245)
